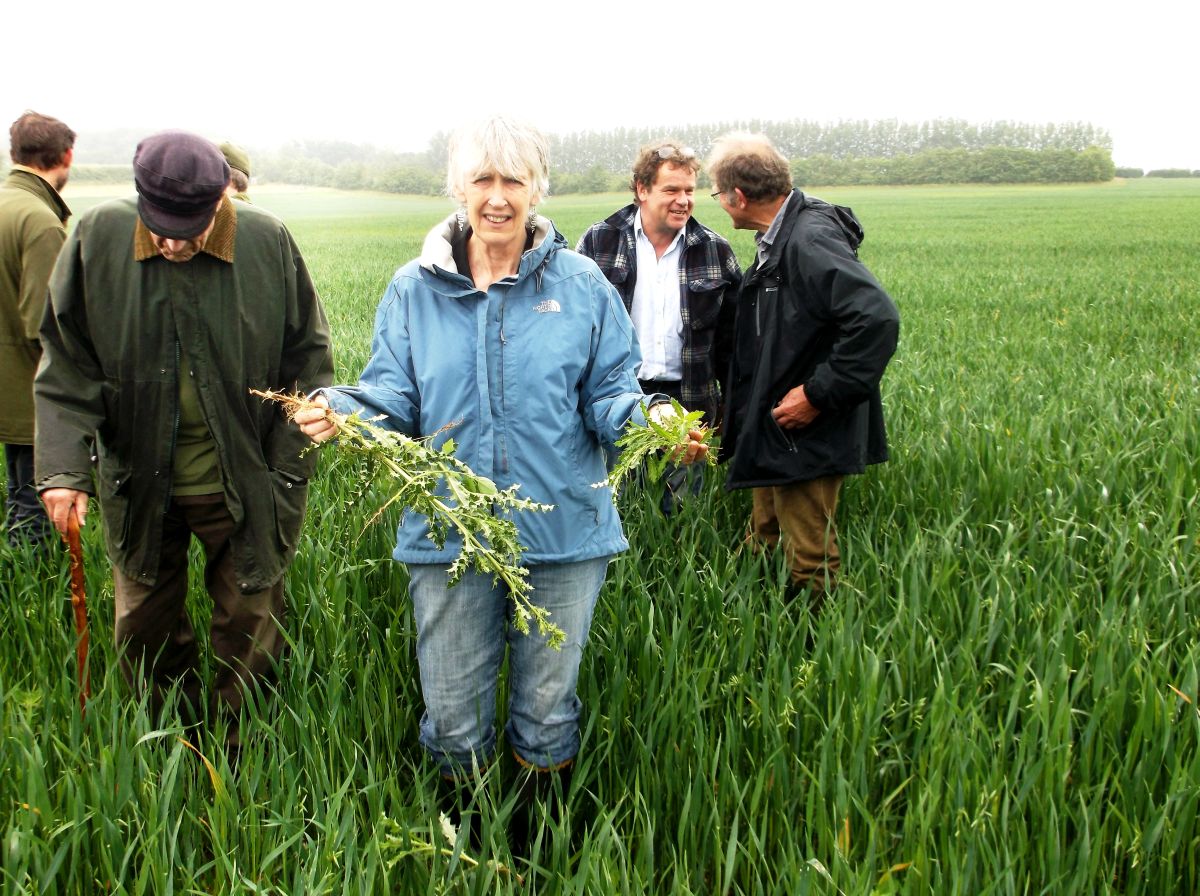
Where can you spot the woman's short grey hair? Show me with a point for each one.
(509, 147)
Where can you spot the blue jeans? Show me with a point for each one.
(461, 635)
(25, 518)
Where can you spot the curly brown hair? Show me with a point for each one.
(654, 155)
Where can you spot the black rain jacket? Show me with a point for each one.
(811, 315)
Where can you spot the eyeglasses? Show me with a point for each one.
(675, 152)
(717, 195)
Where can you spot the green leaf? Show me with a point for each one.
(434, 483)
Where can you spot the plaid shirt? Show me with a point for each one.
(706, 269)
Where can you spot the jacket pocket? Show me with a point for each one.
(113, 488)
(778, 435)
(704, 309)
(291, 496)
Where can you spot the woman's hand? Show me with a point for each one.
(314, 421)
(691, 451)
(694, 449)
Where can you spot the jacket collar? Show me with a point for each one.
(437, 254)
(797, 202)
(219, 244)
(624, 220)
(25, 178)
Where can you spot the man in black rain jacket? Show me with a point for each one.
(814, 334)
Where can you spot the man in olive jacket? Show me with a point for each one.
(166, 310)
(32, 230)
(813, 335)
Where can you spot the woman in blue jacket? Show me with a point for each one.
(522, 347)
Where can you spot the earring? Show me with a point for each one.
(532, 222)
(460, 218)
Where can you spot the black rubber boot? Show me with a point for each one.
(453, 799)
(541, 795)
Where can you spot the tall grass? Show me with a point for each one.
(1001, 699)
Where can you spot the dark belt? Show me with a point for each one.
(670, 388)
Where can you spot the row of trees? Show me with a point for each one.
(844, 152)
(1157, 172)
(101, 174)
(936, 166)
(387, 175)
(613, 150)
(994, 165)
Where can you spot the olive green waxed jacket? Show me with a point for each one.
(32, 215)
(247, 316)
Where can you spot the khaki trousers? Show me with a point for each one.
(800, 518)
(155, 635)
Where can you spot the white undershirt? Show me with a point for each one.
(656, 314)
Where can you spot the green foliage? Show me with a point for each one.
(1171, 172)
(993, 165)
(595, 180)
(650, 447)
(101, 174)
(431, 482)
(614, 149)
(1002, 698)
(855, 151)
(1129, 172)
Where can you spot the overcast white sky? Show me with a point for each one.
(392, 74)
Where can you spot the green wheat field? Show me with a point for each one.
(1002, 699)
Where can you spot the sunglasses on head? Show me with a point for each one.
(675, 152)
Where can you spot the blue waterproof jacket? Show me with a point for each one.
(533, 380)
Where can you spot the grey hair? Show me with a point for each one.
(751, 163)
(509, 147)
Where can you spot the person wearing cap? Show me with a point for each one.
(33, 220)
(239, 171)
(673, 274)
(165, 311)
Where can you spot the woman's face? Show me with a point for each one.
(498, 209)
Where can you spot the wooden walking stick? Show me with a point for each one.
(79, 605)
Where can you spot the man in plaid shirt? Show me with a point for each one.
(675, 277)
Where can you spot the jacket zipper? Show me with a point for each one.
(502, 377)
(170, 461)
(787, 438)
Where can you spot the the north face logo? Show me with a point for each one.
(546, 306)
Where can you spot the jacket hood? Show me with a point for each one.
(437, 254)
(838, 216)
(841, 215)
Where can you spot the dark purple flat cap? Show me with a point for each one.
(180, 178)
